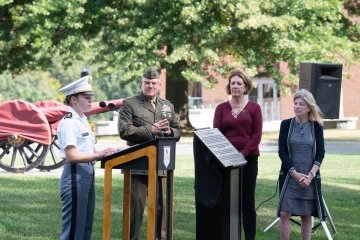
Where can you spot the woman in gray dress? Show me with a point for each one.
(301, 150)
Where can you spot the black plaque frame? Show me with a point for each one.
(218, 186)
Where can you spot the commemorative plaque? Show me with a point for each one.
(220, 147)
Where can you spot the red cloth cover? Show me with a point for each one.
(18, 117)
(39, 121)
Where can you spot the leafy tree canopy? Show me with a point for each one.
(31, 86)
(194, 40)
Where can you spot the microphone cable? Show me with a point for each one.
(111, 106)
(266, 200)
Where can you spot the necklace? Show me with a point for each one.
(301, 127)
(236, 110)
(235, 113)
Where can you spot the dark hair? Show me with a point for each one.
(246, 79)
(68, 98)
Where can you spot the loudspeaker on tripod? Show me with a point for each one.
(324, 82)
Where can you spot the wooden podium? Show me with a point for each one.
(158, 154)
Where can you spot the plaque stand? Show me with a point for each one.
(218, 184)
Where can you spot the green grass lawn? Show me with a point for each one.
(30, 206)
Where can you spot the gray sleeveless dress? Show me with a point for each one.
(298, 200)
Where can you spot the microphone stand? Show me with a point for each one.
(160, 131)
(111, 106)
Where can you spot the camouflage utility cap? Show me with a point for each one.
(151, 74)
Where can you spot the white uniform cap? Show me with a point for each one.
(82, 85)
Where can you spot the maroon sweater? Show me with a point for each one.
(244, 132)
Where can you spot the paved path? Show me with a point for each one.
(271, 146)
(185, 147)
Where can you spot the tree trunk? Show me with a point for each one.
(177, 93)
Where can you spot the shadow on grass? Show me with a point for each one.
(343, 205)
(30, 208)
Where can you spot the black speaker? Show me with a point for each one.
(324, 82)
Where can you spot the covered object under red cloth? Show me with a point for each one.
(38, 122)
(55, 110)
(24, 119)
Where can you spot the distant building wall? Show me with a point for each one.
(350, 100)
(163, 83)
(350, 97)
(212, 97)
(350, 92)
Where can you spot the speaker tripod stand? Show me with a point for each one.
(322, 223)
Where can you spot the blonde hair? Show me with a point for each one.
(247, 81)
(315, 113)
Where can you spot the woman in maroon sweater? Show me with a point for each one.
(240, 120)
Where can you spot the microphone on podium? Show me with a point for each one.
(113, 107)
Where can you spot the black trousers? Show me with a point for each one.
(250, 172)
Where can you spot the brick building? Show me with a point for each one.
(277, 106)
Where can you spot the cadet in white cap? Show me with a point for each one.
(77, 146)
